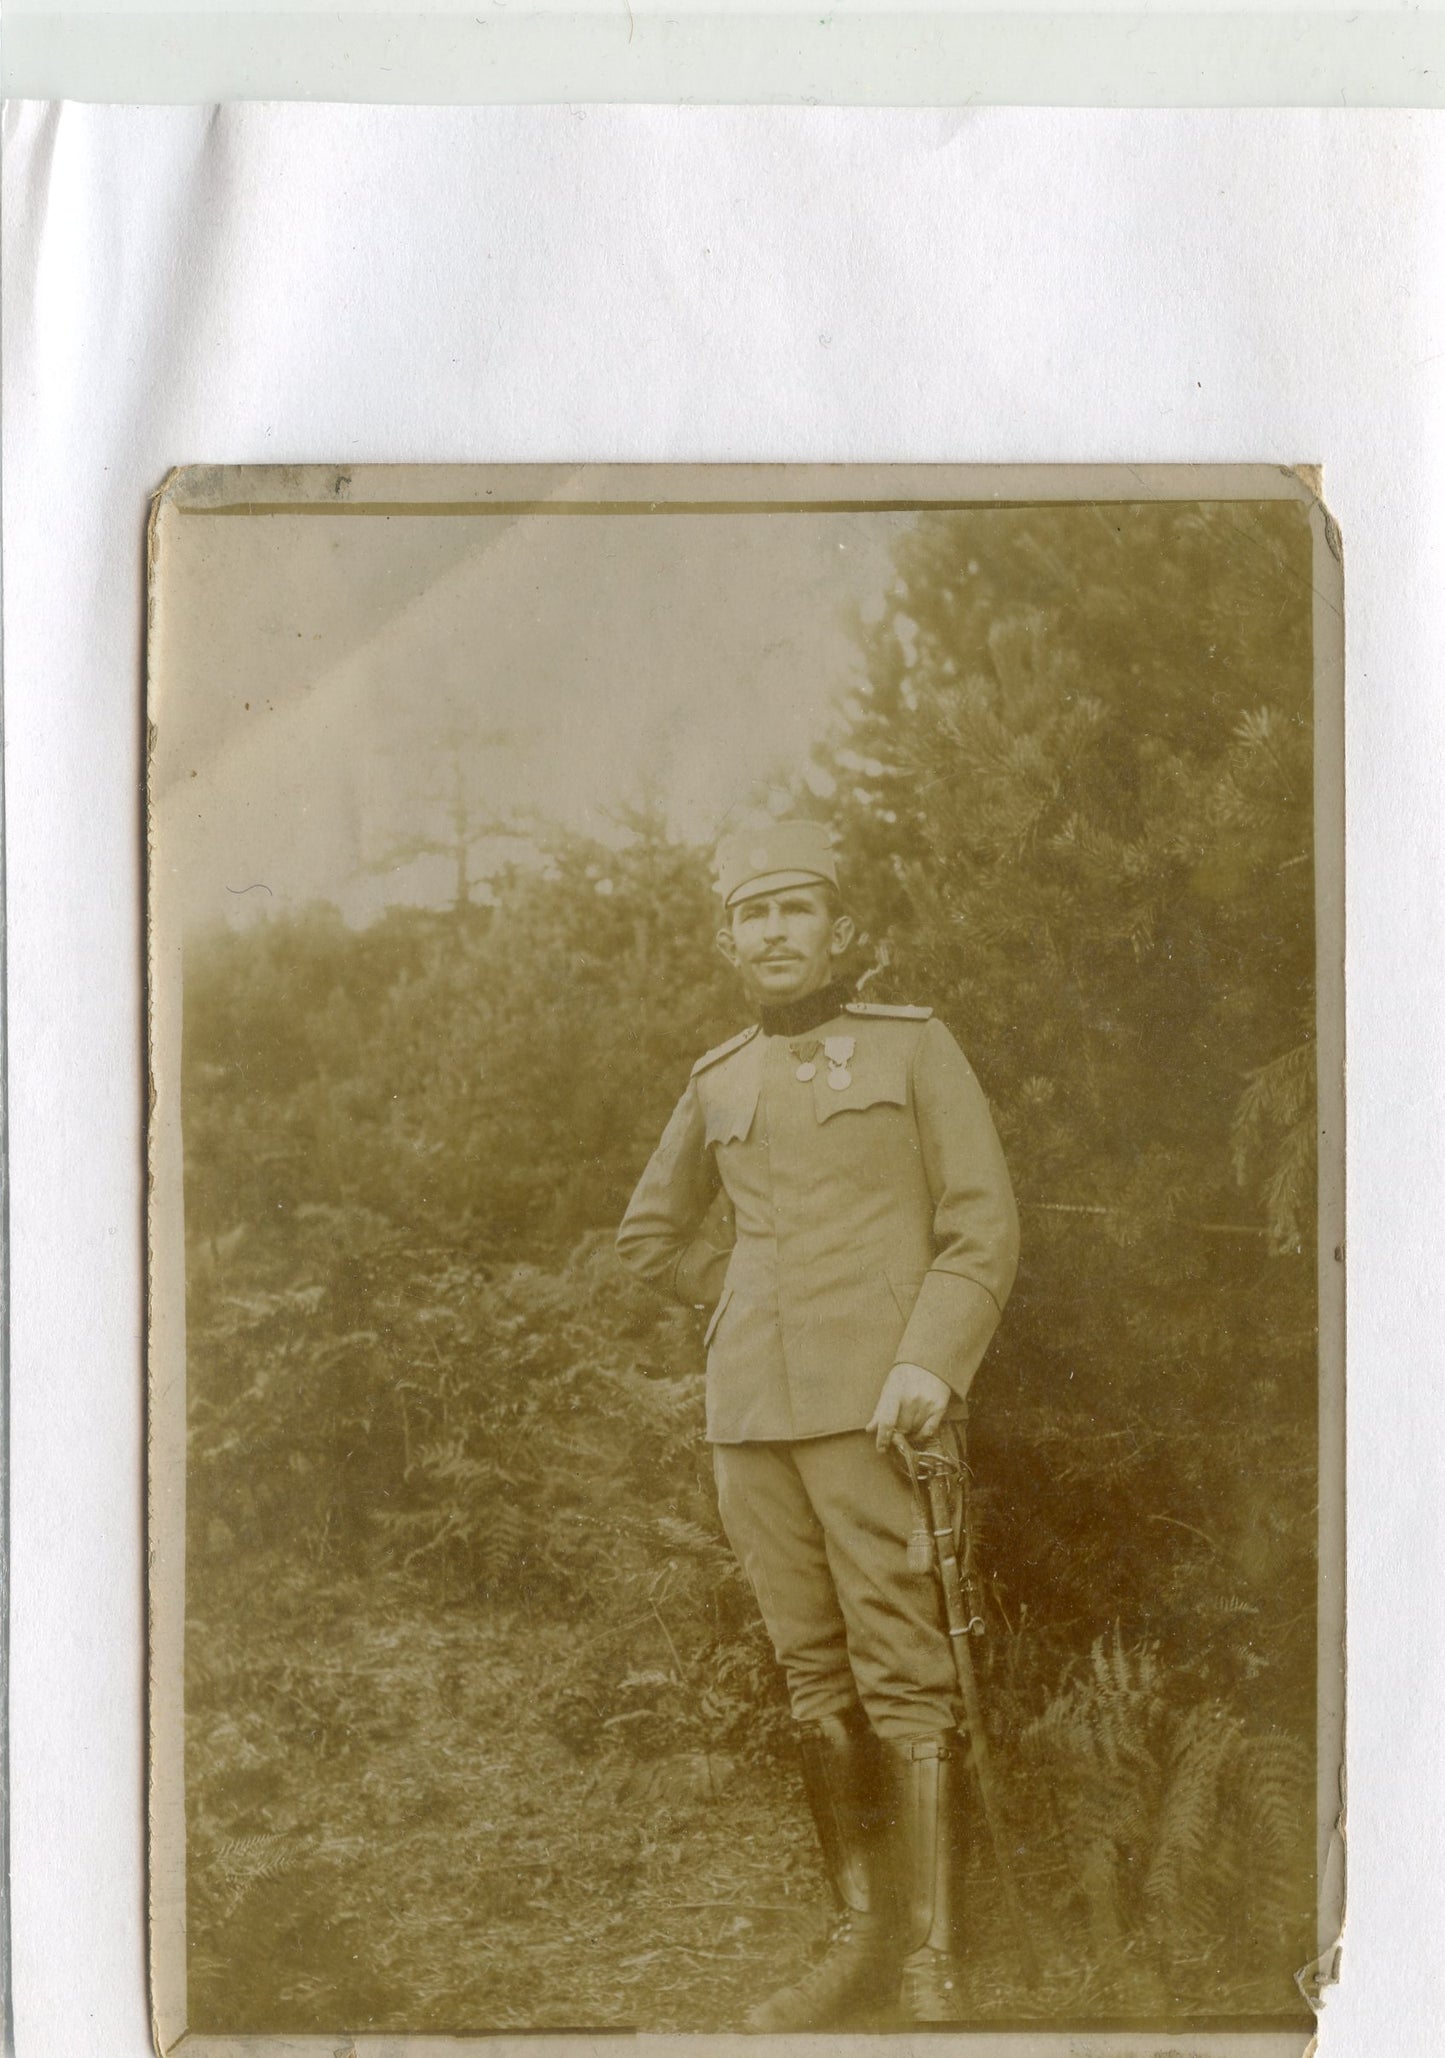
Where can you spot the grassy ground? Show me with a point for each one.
(385, 1832)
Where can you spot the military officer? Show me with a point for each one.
(831, 1185)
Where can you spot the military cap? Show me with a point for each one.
(778, 855)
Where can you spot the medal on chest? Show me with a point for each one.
(836, 1050)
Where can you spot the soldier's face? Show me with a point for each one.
(785, 945)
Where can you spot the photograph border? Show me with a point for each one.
(601, 491)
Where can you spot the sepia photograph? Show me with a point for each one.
(746, 1254)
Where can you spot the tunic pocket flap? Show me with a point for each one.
(730, 1097)
(729, 1121)
(868, 1087)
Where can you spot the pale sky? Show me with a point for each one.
(312, 670)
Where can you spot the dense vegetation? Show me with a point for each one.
(482, 1732)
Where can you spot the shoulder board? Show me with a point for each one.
(724, 1050)
(883, 1012)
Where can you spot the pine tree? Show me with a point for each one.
(1074, 802)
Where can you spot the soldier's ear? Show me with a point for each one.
(724, 942)
(844, 930)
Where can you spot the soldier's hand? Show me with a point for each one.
(912, 1403)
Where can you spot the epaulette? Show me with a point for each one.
(886, 1013)
(723, 1050)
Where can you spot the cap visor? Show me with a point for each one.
(773, 882)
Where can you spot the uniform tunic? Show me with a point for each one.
(841, 1210)
(842, 1221)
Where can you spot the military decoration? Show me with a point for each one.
(838, 1050)
(807, 1053)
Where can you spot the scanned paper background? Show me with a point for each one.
(1174, 287)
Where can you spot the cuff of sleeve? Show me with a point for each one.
(951, 1327)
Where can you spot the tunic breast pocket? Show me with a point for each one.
(889, 1089)
(730, 1120)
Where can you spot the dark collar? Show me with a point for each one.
(796, 1017)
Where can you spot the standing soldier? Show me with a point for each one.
(832, 1185)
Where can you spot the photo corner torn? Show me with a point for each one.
(746, 1256)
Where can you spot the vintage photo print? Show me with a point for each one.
(746, 1255)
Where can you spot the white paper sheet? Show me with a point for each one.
(344, 283)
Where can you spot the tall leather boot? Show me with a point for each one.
(845, 1780)
(926, 1779)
